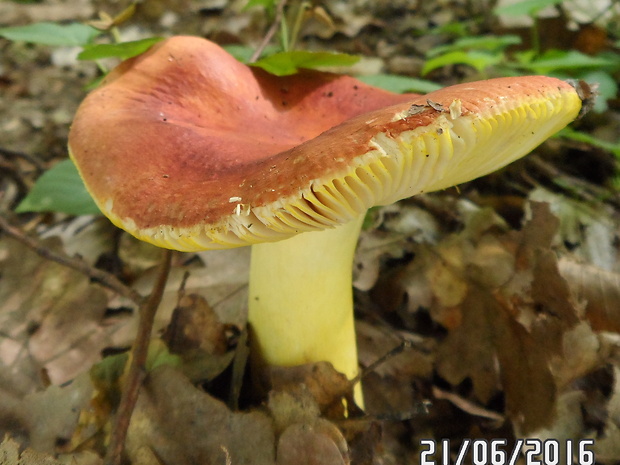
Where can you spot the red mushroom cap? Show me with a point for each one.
(186, 148)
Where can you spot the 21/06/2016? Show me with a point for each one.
(497, 452)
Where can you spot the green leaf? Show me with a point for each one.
(399, 84)
(556, 60)
(477, 60)
(611, 147)
(243, 53)
(123, 50)
(287, 63)
(59, 189)
(524, 58)
(267, 4)
(159, 355)
(73, 34)
(455, 29)
(108, 371)
(527, 7)
(491, 43)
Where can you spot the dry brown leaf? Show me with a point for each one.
(343, 19)
(546, 307)
(312, 444)
(196, 334)
(52, 414)
(373, 247)
(566, 425)
(408, 364)
(11, 453)
(600, 290)
(490, 347)
(390, 388)
(86, 236)
(52, 317)
(303, 437)
(195, 327)
(223, 278)
(288, 408)
(185, 426)
(145, 456)
(590, 229)
(582, 352)
(529, 386)
(327, 387)
(507, 311)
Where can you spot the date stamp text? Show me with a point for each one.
(498, 452)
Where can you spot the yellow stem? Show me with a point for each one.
(301, 299)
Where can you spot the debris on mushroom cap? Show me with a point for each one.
(176, 139)
(455, 108)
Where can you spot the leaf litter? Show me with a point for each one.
(498, 331)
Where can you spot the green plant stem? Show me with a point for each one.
(297, 22)
(116, 34)
(284, 37)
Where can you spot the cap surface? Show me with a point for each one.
(186, 148)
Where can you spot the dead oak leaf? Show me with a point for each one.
(600, 289)
(191, 427)
(197, 335)
(514, 310)
(493, 349)
(317, 443)
(51, 316)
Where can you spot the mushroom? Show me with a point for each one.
(188, 149)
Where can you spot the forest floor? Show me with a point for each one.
(499, 301)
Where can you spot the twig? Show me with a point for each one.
(106, 279)
(29, 158)
(137, 372)
(586, 190)
(405, 344)
(270, 33)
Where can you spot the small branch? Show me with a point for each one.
(137, 371)
(381, 360)
(586, 190)
(106, 279)
(405, 344)
(11, 154)
(271, 32)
